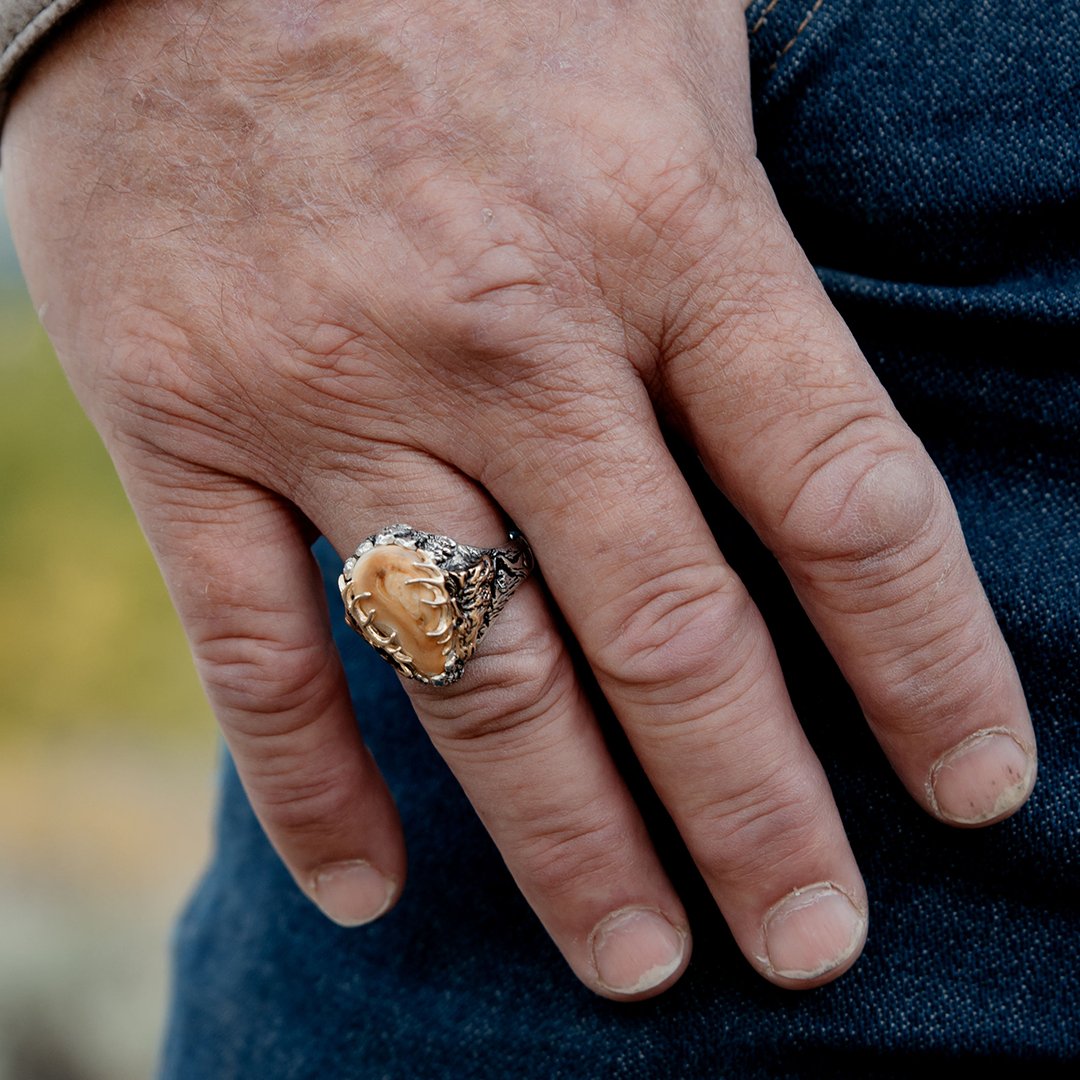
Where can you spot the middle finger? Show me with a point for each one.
(686, 663)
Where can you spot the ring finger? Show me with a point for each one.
(520, 735)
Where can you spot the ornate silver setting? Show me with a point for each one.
(424, 601)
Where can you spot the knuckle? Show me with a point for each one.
(302, 795)
(556, 411)
(266, 685)
(751, 833)
(513, 687)
(146, 382)
(492, 307)
(485, 281)
(670, 633)
(490, 279)
(863, 495)
(960, 670)
(664, 176)
(163, 391)
(568, 852)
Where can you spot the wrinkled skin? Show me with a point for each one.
(328, 267)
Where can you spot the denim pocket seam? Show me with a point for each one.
(807, 19)
(763, 18)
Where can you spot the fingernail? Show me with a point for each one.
(351, 893)
(811, 931)
(635, 949)
(983, 777)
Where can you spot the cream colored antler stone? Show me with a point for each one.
(398, 597)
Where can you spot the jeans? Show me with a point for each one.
(927, 156)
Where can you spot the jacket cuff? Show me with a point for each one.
(23, 23)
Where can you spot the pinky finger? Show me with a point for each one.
(249, 595)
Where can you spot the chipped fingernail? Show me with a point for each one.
(352, 893)
(812, 931)
(635, 949)
(984, 777)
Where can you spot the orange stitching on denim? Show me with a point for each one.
(763, 19)
(802, 26)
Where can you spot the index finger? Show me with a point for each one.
(795, 427)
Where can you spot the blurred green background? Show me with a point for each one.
(106, 743)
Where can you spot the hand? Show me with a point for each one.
(338, 266)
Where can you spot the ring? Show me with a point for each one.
(424, 601)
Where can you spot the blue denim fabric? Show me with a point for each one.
(928, 157)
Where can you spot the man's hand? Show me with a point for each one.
(340, 265)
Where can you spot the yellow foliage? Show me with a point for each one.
(87, 635)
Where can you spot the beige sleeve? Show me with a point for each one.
(23, 23)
